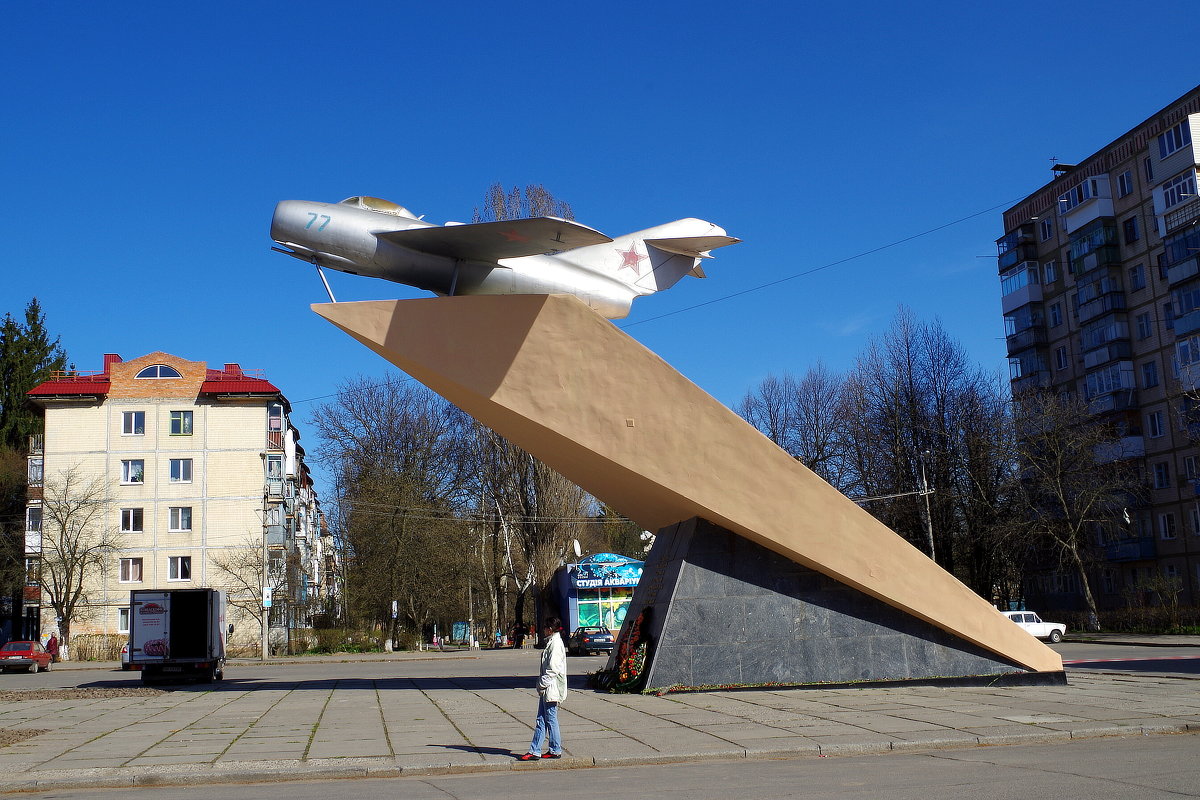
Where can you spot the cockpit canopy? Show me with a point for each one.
(378, 204)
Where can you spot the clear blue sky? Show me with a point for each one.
(144, 146)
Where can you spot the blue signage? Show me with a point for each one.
(605, 570)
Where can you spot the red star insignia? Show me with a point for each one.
(632, 259)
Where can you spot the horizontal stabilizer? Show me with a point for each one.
(492, 241)
(694, 246)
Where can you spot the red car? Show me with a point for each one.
(30, 656)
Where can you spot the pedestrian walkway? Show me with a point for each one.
(469, 712)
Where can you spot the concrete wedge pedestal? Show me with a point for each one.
(562, 382)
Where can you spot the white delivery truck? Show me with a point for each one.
(177, 633)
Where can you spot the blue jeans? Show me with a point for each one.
(547, 720)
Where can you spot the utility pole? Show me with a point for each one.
(925, 490)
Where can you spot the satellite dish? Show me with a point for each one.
(575, 545)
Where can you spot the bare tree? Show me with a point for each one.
(1074, 480)
(806, 417)
(240, 571)
(534, 201)
(78, 544)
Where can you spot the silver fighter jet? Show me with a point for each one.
(542, 255)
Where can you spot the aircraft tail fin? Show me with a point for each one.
(654, 259)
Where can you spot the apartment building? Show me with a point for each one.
(189, 471)
(1100, 284)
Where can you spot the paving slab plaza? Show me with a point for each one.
(413, 714)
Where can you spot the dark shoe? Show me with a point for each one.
(552, 755)
(529, 757)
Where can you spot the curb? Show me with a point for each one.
(288, 771)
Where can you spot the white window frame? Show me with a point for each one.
(125, 573)
(1194, 518)
(133, 520)
(33, 519)
(133, 471)
(1062, 358)
(1125, 183)
(132, 421)
(181, 470)
(1047, 228)
(177, 522)
(1174, 139)
(1179, 189)
(185, 419)
(1154, 425)
(123, 619)
(1166, 526)
(1050, 270)
(1162, 476)
(176, 565)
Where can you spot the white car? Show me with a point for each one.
(1033, 624)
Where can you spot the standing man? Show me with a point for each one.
(52, 647)
(552, 690)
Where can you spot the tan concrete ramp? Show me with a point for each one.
(567, 385)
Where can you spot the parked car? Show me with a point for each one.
(589, 639)
(1032, 623)
(29, 656)
(125, 665)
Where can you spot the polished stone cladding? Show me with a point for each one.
(729, 612)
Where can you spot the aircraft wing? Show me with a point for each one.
(492, 241)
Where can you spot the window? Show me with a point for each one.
(1056, 317)
(1144, 327)
(1047, 226)
(181, 518)
(1061, 358)
(1109, 379)
(1088, 189)
(1018, 278)
(1162, 477)
(36, 471)
(1194, 518)
(1180, 188)
(133, 423)
(1137, 277)
(1175, 139)
(179, 568)
(131, 520)
(1124, 183)
(1189, 469)
(1168, 317)
(1148, 169)
(1166, 525)
(1130, 230)
(1149, 374)
(1154, 425)
(181, 470)
(123, 620)
(159, 371)
(131, 570)
(33, 519)
(133, 471)
(181, 423)
(1051, 271)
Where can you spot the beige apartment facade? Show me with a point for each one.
(1100, 290)
(199, 480)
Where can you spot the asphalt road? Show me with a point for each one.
(1146, 768)
(1076, 656)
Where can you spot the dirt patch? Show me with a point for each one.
(77, 694)
(13, 735)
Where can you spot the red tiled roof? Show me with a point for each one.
(71, 385)
(234, 380)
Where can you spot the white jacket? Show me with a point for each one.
(553, 680)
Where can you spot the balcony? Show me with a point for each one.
(33, 541)
(1119, 400)
(1123, 449)
(1029, 337)
(1114, 301)
(1029, 293)
(1187, 323)
(1181, 271)
(1019, 253)
(1102, 256)
(276, 536)
(1130, 549)
(37, 444)
(1181, 216)
(1034, 380)
(1112, 351)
